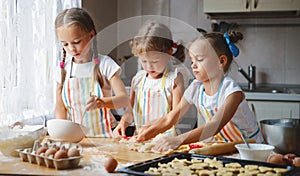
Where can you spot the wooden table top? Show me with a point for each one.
(94, 152)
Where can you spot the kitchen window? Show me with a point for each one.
(28, 58)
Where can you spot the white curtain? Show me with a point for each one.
(28, 57)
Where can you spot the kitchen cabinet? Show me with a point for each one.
(274, 110)
(227, 6)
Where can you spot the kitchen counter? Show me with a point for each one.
(273, 92)
(94, 152)
(272, 96)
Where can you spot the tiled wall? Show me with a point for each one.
(273, 49)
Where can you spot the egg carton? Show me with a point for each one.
(30, 155)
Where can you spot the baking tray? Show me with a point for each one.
(139, 168)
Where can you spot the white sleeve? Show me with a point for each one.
(191, 94)
(108, 66)
(229, 87)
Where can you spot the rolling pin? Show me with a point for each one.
(219, 148)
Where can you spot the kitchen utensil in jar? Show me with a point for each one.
(82, 117)
(245, 141)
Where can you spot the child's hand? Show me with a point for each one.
(93, 103)
(119, 131)
(166, 143)
(146, 133)
(142, 135)
(124, 123)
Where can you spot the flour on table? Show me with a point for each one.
(143, 147)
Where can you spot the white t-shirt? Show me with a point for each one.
(186, 74)
(243, 117)
(108, 67)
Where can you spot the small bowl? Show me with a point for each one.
(256, 152)
(66, 130)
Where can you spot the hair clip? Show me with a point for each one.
(175, 45)
(62, 64)
(233, 48)
(96, 61)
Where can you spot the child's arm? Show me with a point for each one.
(221, 118)
(151, 130)
(60, 110)
(127, 117)
(178, 90)
(119, 100)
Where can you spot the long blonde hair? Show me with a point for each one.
(79, 17)
(155, 36)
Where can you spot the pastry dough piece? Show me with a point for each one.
(251, 167)
(233, 165)
(235, 170)
(244, 174)
(251, 172)
(122, 140)
(127, 139)
(168, 152)
(208, 160)
(205, 173)
(170, 171)
(214, 163)
(193, 160)
(224, 173)
(264, 169)
(183, 149)
(280, 170)
(163, 165)
(268, 174)
(177, 165)
(135, 146)
(189, 173)
(199, 166)
(152, 171)
(146, 148)
(179, 160)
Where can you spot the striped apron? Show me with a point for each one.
(230, 132)
(75, 93)
(151, 104)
